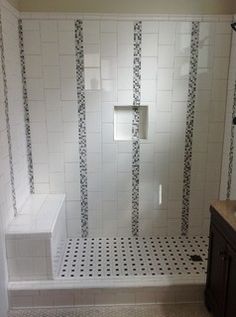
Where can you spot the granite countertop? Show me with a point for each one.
(227, 210)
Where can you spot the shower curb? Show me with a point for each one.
(80, 292)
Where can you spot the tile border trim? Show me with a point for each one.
(129, 17)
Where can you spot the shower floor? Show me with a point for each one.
(126, 257)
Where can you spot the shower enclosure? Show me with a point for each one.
(126, 117)
(158, 180)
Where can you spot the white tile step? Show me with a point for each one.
(111, 291)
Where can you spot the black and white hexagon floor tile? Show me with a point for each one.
(120, 257)
(176, 310)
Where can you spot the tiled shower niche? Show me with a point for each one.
(123, 116)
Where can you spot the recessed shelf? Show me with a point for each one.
(123, 117)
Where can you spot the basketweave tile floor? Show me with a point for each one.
(121, 257)
(174, 310)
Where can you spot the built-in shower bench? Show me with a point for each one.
(35, 238)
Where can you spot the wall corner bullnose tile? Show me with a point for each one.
(192, 86)
(80, 80)
(26, 109)
(135, 126)
(6, 105)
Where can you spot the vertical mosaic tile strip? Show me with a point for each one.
(79, 51)
(135, 126)
(12, 179)
(231, 149)
(192, 86)
(26, 109)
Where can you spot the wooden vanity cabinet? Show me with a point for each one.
(220, 292)
(230, 300)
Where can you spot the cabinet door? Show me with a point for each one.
(216, 272)
(230, 302)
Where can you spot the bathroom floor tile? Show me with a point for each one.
(121, 257)
(179, 310)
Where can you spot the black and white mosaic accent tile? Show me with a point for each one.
(135, 126)
(5, 92)
(26, 109)
(192, 87)
(79, 51)
(135, 256)
(231, 149)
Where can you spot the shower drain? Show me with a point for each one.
(196, 258)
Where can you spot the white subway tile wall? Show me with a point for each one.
(53, 110)
(9, 21)
(228, 182)
(15, 105)
(208, 127)
(108, 51)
